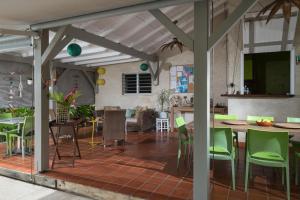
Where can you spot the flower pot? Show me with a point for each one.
(163, 115)
(62, 114)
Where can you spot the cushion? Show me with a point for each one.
(130, 113)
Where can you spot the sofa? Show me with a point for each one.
(142, 120)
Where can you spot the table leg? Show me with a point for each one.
(56, 148)
(76, 141)
(172, 119)
(54, 142)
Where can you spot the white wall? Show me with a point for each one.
(111, 93)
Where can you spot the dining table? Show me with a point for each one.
(241, 126)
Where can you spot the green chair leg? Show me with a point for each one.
(233, 174)
(282, 175)
(9, 146)
(250, 171)
(296, 170)
(288, 182)
(178, 157)
(246, 176)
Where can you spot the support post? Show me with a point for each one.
(202, 101)
(41, 104)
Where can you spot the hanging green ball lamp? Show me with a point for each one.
(144, 66)
(74, 49)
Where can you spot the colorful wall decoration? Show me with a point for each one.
(182, 78)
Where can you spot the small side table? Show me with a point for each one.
(92, 142)
(162, 124)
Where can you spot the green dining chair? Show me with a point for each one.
(185, 140)
(296, 150)
(4, 128)
(259, 118)
(230, 117)
(269, 149)
(222, 148)
(25, 134)
(293, 120)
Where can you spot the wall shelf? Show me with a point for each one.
(253, 96)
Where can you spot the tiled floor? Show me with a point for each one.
(146, 167)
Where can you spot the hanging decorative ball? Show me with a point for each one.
(101, 70)
(144, 66)
(100, 82)
(74, 49)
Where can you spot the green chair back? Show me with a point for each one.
(4, 127)
(221, 139)
(265, 141)
(293, 120)
(225, 117)
(259, 118)
(5, 115)
(180, 122)
(28, 126)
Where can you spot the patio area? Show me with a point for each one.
(146, 168)
(155, 99)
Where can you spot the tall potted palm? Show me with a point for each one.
(163, 99)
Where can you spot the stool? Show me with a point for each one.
(162, 124)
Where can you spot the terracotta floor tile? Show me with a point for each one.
(146, 168)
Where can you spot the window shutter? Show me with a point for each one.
(129, 83)
(145, 83)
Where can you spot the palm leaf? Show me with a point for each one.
(276, 5)
(172, 44)
(274, 10)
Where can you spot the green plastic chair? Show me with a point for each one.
(230, 117)
(4, 128)
(259, 118)
(25, 134)
(269, 149)
(185, 140)
(222, 148)
(296, 148)
(293, 120)
(225, 117)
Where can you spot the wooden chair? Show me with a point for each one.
(113, 126)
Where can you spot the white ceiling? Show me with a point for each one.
(25, 12)
(138, 30)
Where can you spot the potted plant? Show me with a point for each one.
(64, 103)
(164, 101)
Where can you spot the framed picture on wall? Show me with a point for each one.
(182, 78)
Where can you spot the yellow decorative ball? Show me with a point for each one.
(100, 82)
(101, 70)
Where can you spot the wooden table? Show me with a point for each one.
(180, 110)
(189, 109)
(244, 128)
(74, 125)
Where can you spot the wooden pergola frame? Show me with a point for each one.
(201, 44)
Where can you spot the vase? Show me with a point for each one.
(62, 114)
(163, 115)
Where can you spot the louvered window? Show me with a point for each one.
(137, 83)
